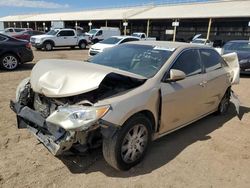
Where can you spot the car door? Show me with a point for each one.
(71, 38)
(216, 78)
(183, 100)
(66, 38)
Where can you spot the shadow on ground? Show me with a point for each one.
(161, 151)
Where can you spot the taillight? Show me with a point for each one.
(28, 45)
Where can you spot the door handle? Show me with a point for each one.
(203, 83)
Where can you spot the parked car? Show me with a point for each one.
(14, 31)
(14, 52)
(27, 34)
(59, 38)
(201, 41)
(143, 36)
(124, 97)
(110, 42)
(242, 48)
(98, 35)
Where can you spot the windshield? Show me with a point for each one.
(111, 40)
(93, 31)
(197, 41)
(136, 35)
(237, 46)
(143, 60)
(52, 32)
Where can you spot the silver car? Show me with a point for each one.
(124, 97)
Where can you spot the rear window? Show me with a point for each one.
(211, 59)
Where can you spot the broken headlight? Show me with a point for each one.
(77, 117)
(23, 88)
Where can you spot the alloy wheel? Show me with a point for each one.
(134, 143)
(10, 62)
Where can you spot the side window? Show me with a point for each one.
(71, 33)
(188, 62)
(211, 59)
(99, 33)
(2, 38)
(129, 40)
(66, 33)
(10, 30)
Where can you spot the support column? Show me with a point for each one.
(106, 23)
(209, 28)
(21, 24)
(148, 24)
(175, 27)
(35, 26)
(8, 24)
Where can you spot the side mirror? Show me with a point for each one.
(58, 35)
(176, 75)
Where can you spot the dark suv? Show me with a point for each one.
(242, 48)
(14, 52)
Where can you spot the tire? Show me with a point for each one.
(224, 103)
(48, 46)
(82, 45)
(9, 61)
(125, 149)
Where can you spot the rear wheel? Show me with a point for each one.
(9, 61)
(129, 145)
(48, 46)
(224, 103)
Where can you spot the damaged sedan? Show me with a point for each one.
(124, 98)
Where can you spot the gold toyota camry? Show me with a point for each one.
(124, 97)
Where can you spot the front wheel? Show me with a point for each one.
(129, 144)
(48, 46)
(82, 45)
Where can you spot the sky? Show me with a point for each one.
(15, 7)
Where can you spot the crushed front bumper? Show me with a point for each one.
(55, 139)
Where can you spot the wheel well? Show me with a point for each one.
(150, 117)
(82, 41)
(50, 41)
(12, 53)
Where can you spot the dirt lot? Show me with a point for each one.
(213, 152)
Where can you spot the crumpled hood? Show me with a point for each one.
(63, 78)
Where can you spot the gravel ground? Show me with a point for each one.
(213, 152)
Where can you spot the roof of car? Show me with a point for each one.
(236, 41)
(124, 37)
(168, 44)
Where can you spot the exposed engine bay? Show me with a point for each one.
(42, 115)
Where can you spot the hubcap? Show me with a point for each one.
(82, 45)
(224, 105)
(48, 46)
(10, 62)
(134, 143)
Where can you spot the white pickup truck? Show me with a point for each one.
(143, 36)
(59, 38)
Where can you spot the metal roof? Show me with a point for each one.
(218, 9)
